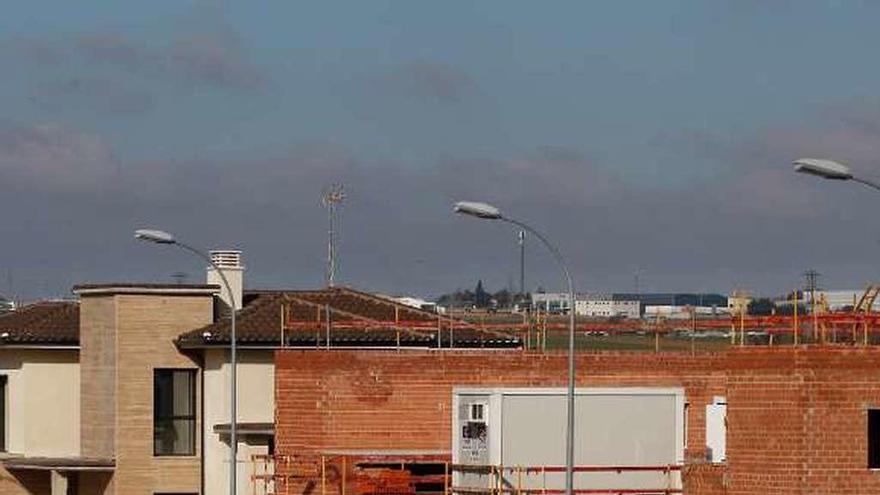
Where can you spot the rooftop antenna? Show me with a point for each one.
(180, 277)
(332, 198)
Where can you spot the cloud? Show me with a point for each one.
(217, 59)
(94, 94)
(115, 49)
(52, 158)
(750, 223)
(40, 51)
(433, 82)
(213, 58)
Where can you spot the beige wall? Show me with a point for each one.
(43, 401)
(136, 332)
(256, 404)
(98, 372)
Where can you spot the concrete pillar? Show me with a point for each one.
(59, 482)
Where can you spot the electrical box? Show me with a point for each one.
(524, 430)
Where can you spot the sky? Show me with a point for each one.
(648, 140)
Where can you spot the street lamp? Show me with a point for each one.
(829, 169)
(489, 212)
(161, 237)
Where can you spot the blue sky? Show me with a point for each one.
(644, 136)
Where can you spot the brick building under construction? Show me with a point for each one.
(798, 419)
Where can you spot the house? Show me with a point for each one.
(131, 381)
(39, 392)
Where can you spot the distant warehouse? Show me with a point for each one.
(630, 305)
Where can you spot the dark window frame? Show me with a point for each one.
(873, 437)
(159, 418)
(4, 401)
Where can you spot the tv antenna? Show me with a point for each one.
(332, 198)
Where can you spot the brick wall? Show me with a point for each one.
(797, 420)
(376, 400)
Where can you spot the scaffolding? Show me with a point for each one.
(434, 474)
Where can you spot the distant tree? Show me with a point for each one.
(788, 309)
(761, 307)
(481, 297)
(503, 298)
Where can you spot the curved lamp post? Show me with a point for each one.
(829, 169)
(489, 212)
(161, 237)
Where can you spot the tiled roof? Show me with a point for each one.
(357, 319)
(42, 323)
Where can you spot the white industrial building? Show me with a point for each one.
(589, 305)
(837, 300)
(606, 306)
(551, 302)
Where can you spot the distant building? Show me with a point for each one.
(738, 302)
(837, 300)
(551, 302)
(606, 306)
(677, 304)
(417, 302)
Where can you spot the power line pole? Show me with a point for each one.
(522, 261)
(332, 198)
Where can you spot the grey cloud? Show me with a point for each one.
(44, 52)
(755, 224)
(215, 58)
(94, 94)
(433, 81)
(115, 49)
(51, 158)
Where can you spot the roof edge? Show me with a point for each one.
(146, 289)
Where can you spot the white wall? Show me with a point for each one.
(42, 401)
(256, 404)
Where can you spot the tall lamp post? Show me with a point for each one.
(489, 212)
(161, 237)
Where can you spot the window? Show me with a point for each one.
(716, 430)
(174, 412)
(873, 438)
(478, 412)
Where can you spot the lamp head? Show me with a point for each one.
(477, 209)
(827, 169)
(157, 236)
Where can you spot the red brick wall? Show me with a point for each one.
(387, 400)
(797, 420)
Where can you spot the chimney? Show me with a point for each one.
(229, 262)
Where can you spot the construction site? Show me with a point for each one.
(342, 391)
(776, 404)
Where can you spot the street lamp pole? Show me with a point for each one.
(161, 237)
(489, 212)
(830, 169)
